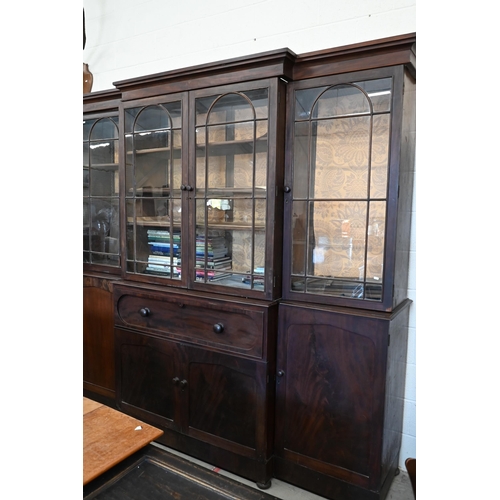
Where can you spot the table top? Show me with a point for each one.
(109, 437)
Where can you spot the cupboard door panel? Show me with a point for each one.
(329, 398)
(330, 392)
(230, 397)
(227, 401)
(146, 373)
(98, 339)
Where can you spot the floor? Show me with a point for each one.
(400, 489)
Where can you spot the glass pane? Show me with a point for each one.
(341, 100)
(337, 239)
(157, 139)
(260, 213)
(380, 156)
(375, 244)
(301, 160)
(299, 237)
(103, 181)
(304, 101)
(231, 107)
(152, 170)
(259, 252)
(174, 110)
(213, 255)
(164, 256)
(104, 152)
(242, 252)
(234, 106)
(379, 92)
(341, 157)
(104, 129)
(86, 154)
(101, 230)
(87, 126)
(152, 118)
(130, 115)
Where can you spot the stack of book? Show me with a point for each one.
(164, 253)
(258, 277)
(212, 259)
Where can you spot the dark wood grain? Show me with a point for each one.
(98, 337)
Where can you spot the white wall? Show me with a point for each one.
(129, 38)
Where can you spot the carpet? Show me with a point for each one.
(155, 474)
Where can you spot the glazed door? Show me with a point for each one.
(233, 170)
(154, 189)
(329, 393)
(341, 190)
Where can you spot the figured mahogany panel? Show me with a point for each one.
(98, 337)
(331, 391)
(223, 402)
(147, 371)
(329, 397)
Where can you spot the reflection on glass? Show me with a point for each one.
(341, 158)
(231, 188)
(100, 192)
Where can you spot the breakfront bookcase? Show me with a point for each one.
(246, 246)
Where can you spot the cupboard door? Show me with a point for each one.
(98, 337)
(227, 401)
(147, 378)
(329, 393)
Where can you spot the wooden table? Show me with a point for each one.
(109, 437)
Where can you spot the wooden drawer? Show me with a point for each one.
(223, 325)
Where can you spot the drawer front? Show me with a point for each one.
(218, 324)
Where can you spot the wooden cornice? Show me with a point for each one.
(391, 51)
(102, 100)
(269, 64)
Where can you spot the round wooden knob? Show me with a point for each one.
(218, 328)
(144, 312)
